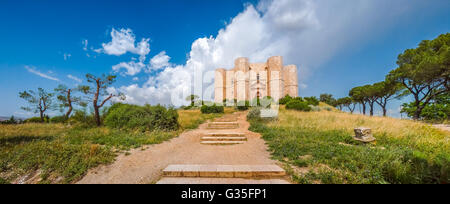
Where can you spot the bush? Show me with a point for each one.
(81, 118)
(34, 120)
(285, 100)
(58, 119)
(298, 105)
(254, 113)
(142, 118)
(212, 109)
(312, 100)
(242, 105)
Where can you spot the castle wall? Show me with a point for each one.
(241, 83)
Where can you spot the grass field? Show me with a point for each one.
(317, 147)
(57, 153)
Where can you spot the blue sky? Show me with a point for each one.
(336, 44)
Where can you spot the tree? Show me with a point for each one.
(348, 103)
(192, 98)
(66, 97)
(438, 110)
(358, 95)
(99, 90)
(370, 94)
(384, 92)
(339, 103)
(328, 99)
(424, 71)
(39, 102)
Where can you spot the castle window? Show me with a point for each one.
(257, 77)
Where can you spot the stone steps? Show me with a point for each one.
(227, 134)
(221, 142)
(224, 139)
(194, 180)
(224, 171)
(223, 125)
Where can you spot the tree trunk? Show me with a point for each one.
(97, 115)
(371, 109)
(384, 112)
(364, 108)
(42, 115)
(69, 101)
(96, 111)
(417, 113)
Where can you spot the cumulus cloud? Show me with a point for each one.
(160, 60)
(37, 72)
(132, 68)
(123, 41)
(306, 32)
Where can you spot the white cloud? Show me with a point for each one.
(160, 60)
(132, 68)
(37, 72)
(135, 78)
(123, 41)
(306, 32)
(74, 78)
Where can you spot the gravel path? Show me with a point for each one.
(145, 166)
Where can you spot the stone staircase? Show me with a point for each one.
(223, 139)
(223, 131)
(223, 125)
(181, 174)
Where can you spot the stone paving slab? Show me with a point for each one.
(224, 171)
(224, 134)
(221, 142)
(224, 139)
(187, 180)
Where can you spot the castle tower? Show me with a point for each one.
(276, 81)
(290, 80)
(219, 85)
(242, 67)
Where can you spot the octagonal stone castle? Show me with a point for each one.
(248, 81)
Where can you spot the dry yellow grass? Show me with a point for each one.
(416, 132)
(190, 119)
(405, 151)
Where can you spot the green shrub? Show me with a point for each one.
(254, 113)
(285, 100)
(58, 119)
(242, 105)
(34, 120)
(312, 100)
(82, 118)
(143, 118)
(298, 105)
(208, 109)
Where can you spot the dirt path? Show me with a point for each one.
(145, 166)
(443, 127)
